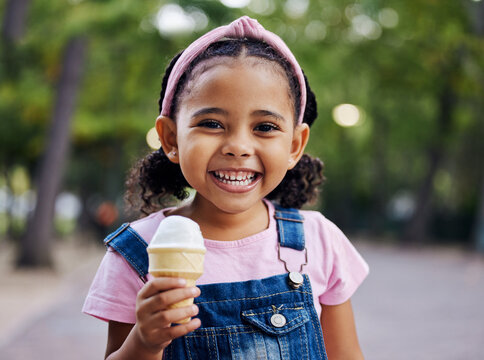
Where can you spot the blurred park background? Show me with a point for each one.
(399, 85)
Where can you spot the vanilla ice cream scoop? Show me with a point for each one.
(177, 231)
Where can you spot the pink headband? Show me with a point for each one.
(244, 27)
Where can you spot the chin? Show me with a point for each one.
(235, 206)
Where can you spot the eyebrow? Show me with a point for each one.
(216, 110)
(210, 110)
(277, 116)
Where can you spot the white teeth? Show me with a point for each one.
(240, 178)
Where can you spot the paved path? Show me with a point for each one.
(421, 304)
(416, 304)
(43, 319)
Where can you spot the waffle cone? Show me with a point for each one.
(180, 263)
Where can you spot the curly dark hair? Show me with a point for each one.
(154, 181)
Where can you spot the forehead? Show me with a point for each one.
(240, 85)
(224, 66)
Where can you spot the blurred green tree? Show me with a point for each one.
(414, 69)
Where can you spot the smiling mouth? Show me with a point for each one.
(236, 178)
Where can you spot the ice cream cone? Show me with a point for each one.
(177, 262)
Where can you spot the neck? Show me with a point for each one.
(217, 224)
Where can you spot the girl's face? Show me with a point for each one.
(234, 135)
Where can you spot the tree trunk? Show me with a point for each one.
(380, 134)
(476, 14)
(14, 19)
(479, 224)
(416, 229)
(36, 245)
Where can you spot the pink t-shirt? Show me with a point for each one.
(334, 266)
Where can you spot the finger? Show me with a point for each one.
(170, 316)
(168, 334)
(163, 336)
(156, 285)
(163, 300)
(157, 336)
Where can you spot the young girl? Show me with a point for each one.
(235, 115)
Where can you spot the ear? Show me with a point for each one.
(166, 129)
(299, 141)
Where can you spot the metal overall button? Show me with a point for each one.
(295, 279)
(278, 320)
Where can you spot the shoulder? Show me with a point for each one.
(317, 224)
(321, 233)
(318, 229)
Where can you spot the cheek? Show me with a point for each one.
(194, 157)
(280, 149)
(192, 169)
(277, 159)
(195, 146)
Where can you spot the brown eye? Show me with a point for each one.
(210, 124)
(266, 127)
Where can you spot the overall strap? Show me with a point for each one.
(290, 227)
(130, 245)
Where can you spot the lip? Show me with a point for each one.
(236, 188)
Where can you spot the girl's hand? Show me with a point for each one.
(154, 319)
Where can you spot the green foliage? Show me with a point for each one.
(396, 78)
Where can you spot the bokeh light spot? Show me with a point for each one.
(172, 19)
(363, 25)
(388, 18)
(315, 30)
(296, 8)
(262, 7)
(235, 3)
(152, 139)
(346, 115)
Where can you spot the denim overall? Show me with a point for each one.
(271, 318)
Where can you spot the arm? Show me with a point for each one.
(152, 332)
(117, 334)
(339, 332)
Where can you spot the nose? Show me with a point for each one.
(238, 144)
